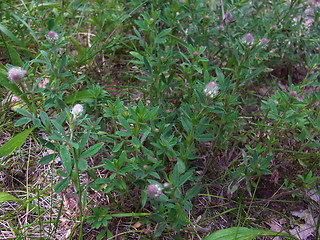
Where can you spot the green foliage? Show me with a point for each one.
(15, 142)
(122, 96)
(242, 233)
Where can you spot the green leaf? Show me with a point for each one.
(45, 119)
(123, 134)
(60, 186)
(59, 128)
(124, 123)
(185, 177)
(23, 112)
(22, 121)
(82, 164)
(15, 143)
(83, 140)
(206, 137)
(27, 26)
(135, 142)
(5, 196)
(14, 56)
(48, 158)
(242, 233)
(192, 192)
(187, 125)
(180, 166)
(48, 144)
(66, 159)
(11, 35)
(92, 150)
(109, 165)
(82, 96)
(117, 147)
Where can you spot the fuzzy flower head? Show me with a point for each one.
(248, 39)
(293, 93)
(154, 191)
(264, 41)
(53, 37)
(77, 110)
(221, 27)
(211, 89)
(16, 74)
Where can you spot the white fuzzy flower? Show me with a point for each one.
(211, 89)
(15, 74)
(154, 191)
(77, 110)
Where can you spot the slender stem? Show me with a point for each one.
(254, 193)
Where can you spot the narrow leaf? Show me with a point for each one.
(66, 159)
(60, 186)
(242, 233)
(48, 158)
(15, 143)
(92, 150)
(5, 196)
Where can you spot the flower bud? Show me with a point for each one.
(16, 74)
(211, 89)
(154, 191)
(166, 185)
(276, 102)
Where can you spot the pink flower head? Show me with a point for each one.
(293, 93)
(162, 57)
(221, 27)
(206, 17)
(154, 191)
(276, 102)
(248, 38)
(182, 1)
(211, 89)
(264, 41)
(195, 54)
(192, 5)
(53, 37)
(273, 27)
(16, 74)
(151, 19)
